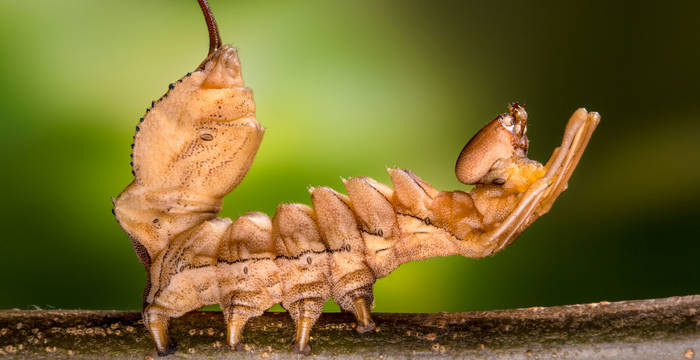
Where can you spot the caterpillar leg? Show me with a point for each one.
(235, 323)
(247, 275)
(185, 291)
(157, 324)
(364, 321)
(241, 307)
(350, 277)
(305, 313)
(538, 199)
(579, 131)
(304, 268)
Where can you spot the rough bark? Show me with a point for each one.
(643, 329)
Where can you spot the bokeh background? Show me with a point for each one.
(347, 88)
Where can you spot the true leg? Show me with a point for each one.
(538, 199)
(579, 139)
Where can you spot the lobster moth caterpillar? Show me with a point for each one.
(198, 141)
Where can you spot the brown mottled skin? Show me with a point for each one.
(198, 141)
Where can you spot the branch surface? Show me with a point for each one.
(666, 328)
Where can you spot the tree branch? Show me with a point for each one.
(643, 329)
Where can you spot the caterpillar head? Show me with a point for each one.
(498, 151)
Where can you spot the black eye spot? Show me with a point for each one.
(155, 221)
(206, 137)
(380, 232)
(499, 181)
(245, 270)
(427, 221)
(171, 86)
(308, 260)
(347, 247)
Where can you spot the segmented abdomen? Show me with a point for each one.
(303, 255)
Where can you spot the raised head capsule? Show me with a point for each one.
(503, 138)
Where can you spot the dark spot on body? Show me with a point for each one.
(155, 221)
(308, 260)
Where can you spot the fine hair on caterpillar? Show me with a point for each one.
(196, 143)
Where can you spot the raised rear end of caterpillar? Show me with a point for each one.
(197, 142)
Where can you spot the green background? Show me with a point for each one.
(348, 88)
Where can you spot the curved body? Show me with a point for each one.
(197, 142)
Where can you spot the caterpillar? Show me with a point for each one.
(196, 143)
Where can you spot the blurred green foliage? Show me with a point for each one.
(347, 89)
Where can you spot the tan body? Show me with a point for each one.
(197, 143)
